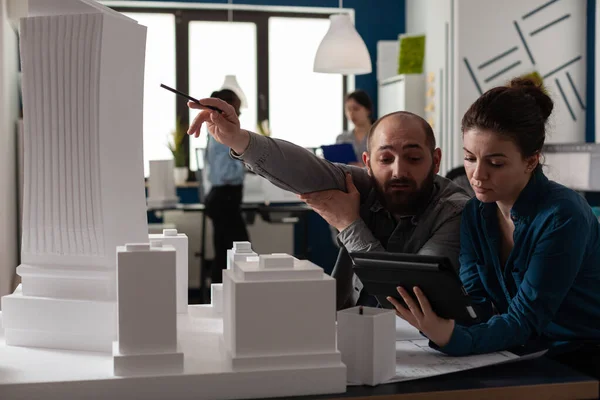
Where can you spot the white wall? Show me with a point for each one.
(9, 109)
(438, 75)
(486, 28)
(480, 30)
(416, 16)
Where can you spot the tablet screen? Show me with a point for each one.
(382, 273)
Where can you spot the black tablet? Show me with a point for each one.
(381, 273)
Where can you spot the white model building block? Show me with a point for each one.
(83, 72)
(146, 276)
(147, 311)
(240, 252)
(46, 322)
(367, 342)
(287, 327)
(250, 270)
(242, 247)
(180, 242)
(281, 261)
(146, 364)
(216, 297)
(161, 184)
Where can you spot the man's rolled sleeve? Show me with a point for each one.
(358, 237)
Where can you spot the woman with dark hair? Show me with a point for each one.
(359, 110)
(223, 202)
(530, 248)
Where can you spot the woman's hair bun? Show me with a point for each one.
(537, 91)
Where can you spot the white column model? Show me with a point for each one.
(83, 70)
(147, 303)
(180, 242)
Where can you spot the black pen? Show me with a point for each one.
(189, 98)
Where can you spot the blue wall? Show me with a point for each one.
(375, 20)
(590, 121)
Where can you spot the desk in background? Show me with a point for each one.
(273, 213)
(323, 251)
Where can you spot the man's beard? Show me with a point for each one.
(406, 202)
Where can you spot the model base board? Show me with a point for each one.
(207, 374)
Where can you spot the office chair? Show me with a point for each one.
(458, 175)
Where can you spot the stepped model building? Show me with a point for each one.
(241, 251)
(279, 311)
(83, 71)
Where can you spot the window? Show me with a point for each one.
(270, 52)
(159, 105)
(305, 108)
(233, 53)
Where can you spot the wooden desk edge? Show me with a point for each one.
(572, 390)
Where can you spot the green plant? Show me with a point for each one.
(175, 144)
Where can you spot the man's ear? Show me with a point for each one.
(437, 159)
(367, 161)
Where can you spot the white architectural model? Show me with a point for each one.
(216, 298)
(277, 338)
(180, 242)
(147, 317)
(241, 251)
(161, 184)
(278, 311)
(367, 340)
(83, 70)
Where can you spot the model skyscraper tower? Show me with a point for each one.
(83, 72)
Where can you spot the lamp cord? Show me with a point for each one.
(230, 11)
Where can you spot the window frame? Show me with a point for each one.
(254, 14)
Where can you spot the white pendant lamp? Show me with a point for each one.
(342, 50)
(231, 82)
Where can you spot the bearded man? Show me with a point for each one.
(397, 203)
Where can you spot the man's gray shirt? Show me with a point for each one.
(435, 231)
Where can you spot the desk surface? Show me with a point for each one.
(541, 378)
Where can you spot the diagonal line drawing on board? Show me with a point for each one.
(549, 24)
(498, 57)
(565, 65)
(524, 42)
(564, 97)
(497, 74)
(579, 99)
(540, 8)
(470, 70)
